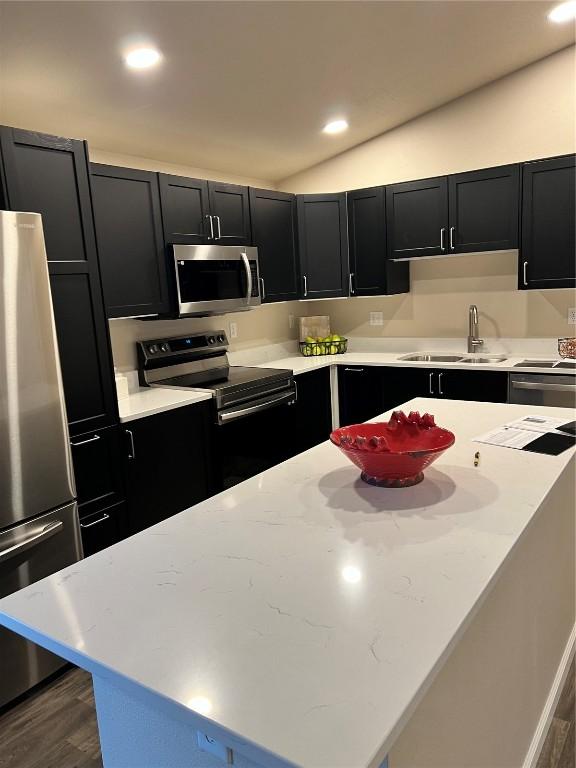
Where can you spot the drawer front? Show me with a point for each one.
(104, 528)
(97, 468)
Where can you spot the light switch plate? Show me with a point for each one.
(291, 321)
(376, 318)
(216, 748)
(233, 330)
(572, 316)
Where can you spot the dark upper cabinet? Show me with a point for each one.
(49, 175)
(548, 247)
(185, 210)
(483, 209)
(82, 330)
(275, 234)
(130, 240)
(323, 245)
(371, 273)
(417, 218)
(230, 212)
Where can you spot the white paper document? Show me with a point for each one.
(508, 437)
(537, 423)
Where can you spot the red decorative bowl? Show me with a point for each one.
(393, 454)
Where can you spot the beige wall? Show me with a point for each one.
(147, 164)
(523, 116)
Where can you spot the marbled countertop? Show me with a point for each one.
(302, 613)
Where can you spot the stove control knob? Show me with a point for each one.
(211, 340)
(152, 349)
(164, 348)
(221, 338)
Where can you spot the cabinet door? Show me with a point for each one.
(81, 328)
(371, 273)
(98, 457)
(360, 393)
(102, 529)
(548, 224)
(49, 175)
(482, 386)
(323, 245)
(273, 217)
(402, 384)
(417, 218)
(230, 209)
(169, 467)
(483, 211)
(130, 241)
(185, 210)
(311, 416)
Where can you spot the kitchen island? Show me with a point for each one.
(304, 618)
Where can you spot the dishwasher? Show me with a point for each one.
(542, 389)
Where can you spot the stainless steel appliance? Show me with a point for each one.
(214, 279)
(251, 406)
(542, 389)
(39, 532)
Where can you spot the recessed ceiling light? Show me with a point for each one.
(142, 58)
(563, 12)
(335, 126)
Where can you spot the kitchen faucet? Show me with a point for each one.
(473, 340)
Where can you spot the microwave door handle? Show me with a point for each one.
(248, 277)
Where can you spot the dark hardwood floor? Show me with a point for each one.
(56, 728)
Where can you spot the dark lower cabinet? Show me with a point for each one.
(98, 459)
(275, 235)
(311, 418)
(371, 273)
(130, 241)
(101, 529)
(323, 246)
(399, 385)
(168, 468)
(548, 245)
(359, 393)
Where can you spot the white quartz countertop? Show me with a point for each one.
(302, 613)
(149, 401)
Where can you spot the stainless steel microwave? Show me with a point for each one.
(215, 279)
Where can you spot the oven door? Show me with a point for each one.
(214, 279)
(253, 437)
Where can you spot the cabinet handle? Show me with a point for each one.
(452, 246)
(430, 384)
(525, 272)
(83, 442)
(442, 234)
(211, 226)
(350, 283)
(101, 519)
(305, 285)
(355, 370)
(132, 454)
(219, 227)
(262, 288)
(440, 383)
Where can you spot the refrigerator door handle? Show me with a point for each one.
(46, 533)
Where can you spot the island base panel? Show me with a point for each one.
(491, 699)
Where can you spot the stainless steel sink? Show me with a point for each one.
(480, 360)
(421, 358)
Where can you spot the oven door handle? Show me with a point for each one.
(542, 386)
(226, 416)
(248, 277)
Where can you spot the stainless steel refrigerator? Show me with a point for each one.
(39, 531)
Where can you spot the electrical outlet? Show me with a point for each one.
(376, 318)
(233, 330)
(290, 321)
(572, 316)
(216, 748)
